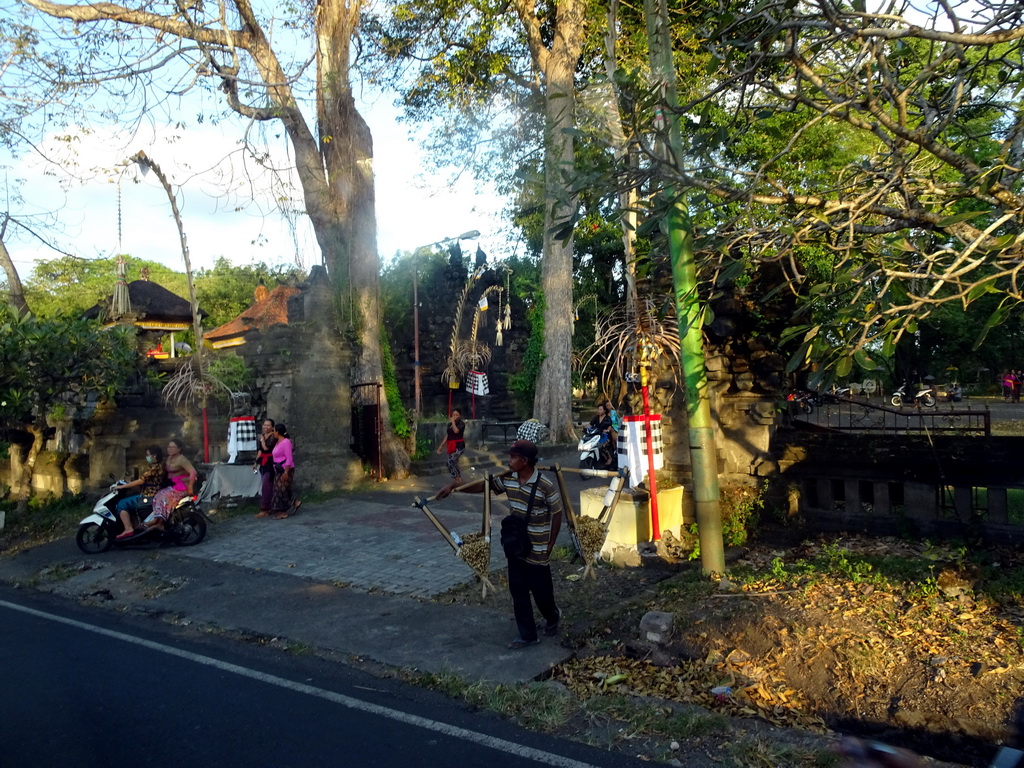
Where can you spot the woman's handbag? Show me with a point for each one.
(515, 530)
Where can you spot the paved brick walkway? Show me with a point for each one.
(367, 546)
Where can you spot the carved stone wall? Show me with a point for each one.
(744, 379)
(304, 376)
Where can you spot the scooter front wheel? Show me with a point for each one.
(93, 538)
(897, 401)
(928, 401)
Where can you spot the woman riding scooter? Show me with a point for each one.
(151, 482)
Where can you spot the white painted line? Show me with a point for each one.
(482, 739)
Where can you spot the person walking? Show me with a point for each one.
(535, 499)
(265, 466)
(455, 443)
(283, 503)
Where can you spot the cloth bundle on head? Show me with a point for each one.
(632, 447)
(532, 430)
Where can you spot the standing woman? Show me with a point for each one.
(455, 442)
(182, 476)
(283, 502)
(265, 465)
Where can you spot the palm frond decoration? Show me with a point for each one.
(622, 330)
(193, 384)
(453, 372)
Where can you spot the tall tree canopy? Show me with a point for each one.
(477, 60)
(873, 159)
(286, 66)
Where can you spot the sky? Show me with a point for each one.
(224, 212)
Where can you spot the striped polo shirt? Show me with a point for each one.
(547, 504)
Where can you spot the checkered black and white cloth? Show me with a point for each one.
(533, 431)
(632, 447)
(476, 383)
(241, 436)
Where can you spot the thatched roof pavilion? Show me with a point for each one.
(153, 308)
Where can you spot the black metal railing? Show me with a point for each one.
(842, 414)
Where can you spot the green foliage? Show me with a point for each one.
(424, 446)
(231, 370)
(72, 285)
(399, 420)
(58, 361)
(741, 509)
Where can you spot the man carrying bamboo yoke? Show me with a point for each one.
(528, 535)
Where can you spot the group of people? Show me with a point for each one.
(276, 464)
(165, 482)
(1012, 381)
(169, 479)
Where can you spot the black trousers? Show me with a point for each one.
(524, 580)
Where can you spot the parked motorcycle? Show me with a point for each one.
(595, 454)
(925, 396)
(804, 400)
(835, 394)
(98, 532)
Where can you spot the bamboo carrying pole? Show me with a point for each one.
(485, 525)
(418, 502)
(603, 520)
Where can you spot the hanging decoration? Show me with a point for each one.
(506, 321)
(499, 324)
(122, 303)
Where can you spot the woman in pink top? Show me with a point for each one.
(283, 503)
(182, 476)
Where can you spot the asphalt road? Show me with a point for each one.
(86, 687)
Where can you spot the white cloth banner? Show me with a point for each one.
(241, 436)
(632, 447)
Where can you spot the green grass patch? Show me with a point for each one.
(538, 706)
(657, 719)
(46, 518)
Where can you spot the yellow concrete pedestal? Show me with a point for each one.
(631, 520)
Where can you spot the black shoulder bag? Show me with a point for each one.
(515, 530)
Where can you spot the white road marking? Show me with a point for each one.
(482, 739)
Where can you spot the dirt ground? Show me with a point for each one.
(912, 643)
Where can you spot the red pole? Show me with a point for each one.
(206, 436)
(656, 528)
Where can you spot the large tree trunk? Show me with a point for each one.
(14, 289)
(552, 402)
(348, 237)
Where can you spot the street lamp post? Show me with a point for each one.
(470, 235)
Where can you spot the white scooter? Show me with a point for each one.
(595, 454)
(98, 531)
(925, 396)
